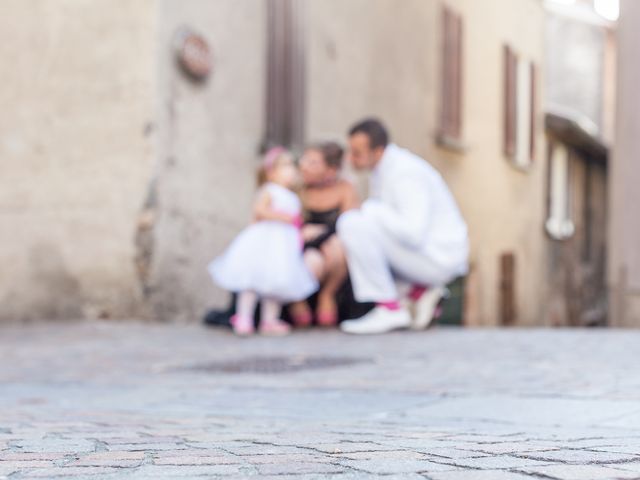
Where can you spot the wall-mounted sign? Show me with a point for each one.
(193, 54)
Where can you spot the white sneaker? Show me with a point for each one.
(378, 320)
(425, 307)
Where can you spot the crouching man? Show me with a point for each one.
(409, 232)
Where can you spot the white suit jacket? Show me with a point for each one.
(411, 202)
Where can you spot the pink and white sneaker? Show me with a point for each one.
(378, 320)
(242, 326)
(425, 307)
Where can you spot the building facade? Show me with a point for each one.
(125, 177)
(624, 234)
(579, 105)
(77, 95)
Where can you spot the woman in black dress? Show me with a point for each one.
(325, 196)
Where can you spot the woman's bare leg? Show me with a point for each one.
(315, 262)
(336, 274)
(300, 311)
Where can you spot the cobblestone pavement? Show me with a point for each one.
(133, 401)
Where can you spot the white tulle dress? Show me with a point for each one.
(266, 257)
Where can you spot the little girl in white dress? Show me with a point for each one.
(264, 262)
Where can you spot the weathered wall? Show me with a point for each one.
(503, 205)
(580, 52)
(209, 135)
(576, 265)
(575, 56)
(372, 57)
(624, 265)
(83, 111)
(77, 84)
(391, 69)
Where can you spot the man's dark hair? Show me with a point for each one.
(374, 129)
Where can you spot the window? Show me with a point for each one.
(609, 9)
(451, 106)
(519, 108)
(559, 224)
(285, 74)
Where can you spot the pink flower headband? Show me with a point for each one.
(271, 156)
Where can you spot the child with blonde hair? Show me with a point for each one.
(265, 262)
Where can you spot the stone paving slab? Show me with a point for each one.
(581, 472)
(478, 475)
(134, 401)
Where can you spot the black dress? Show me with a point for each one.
(348, 307)
(324, 218)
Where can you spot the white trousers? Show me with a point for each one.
(378, 262)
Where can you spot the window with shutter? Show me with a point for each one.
(520, 100)
(450, 128)
(533, 111)
(285, 74)
(523, 113)
(509, 102)
(559, 224)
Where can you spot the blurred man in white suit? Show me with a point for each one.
(409, 231)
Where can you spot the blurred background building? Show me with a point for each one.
(580, 81)
(123, 176)
(624, 246)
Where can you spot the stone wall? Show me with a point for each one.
(575, 53)
(391, 69)
(624, 265)
(209, 136)
(76, 96)
(504, 205)
(126, 178)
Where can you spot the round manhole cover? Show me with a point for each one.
(276, 364)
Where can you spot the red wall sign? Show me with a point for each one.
(193, 54)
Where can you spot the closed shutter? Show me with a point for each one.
(508, 308)
(523, 113)
(510, 102)
(534, 100)
(452, 54)
(285, 74)
(457, 77)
